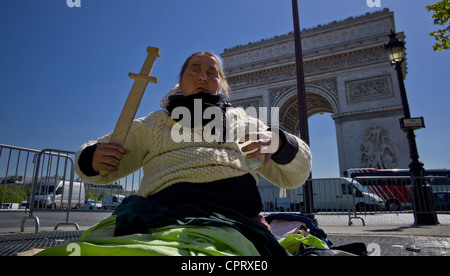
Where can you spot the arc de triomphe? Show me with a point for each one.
(347, 74)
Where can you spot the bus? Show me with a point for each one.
(392, 185)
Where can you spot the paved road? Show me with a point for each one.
(11, 221)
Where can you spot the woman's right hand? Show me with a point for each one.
(107, 157)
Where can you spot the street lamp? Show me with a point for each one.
(422, 193)
(395, 49)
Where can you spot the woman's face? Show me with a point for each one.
(201, 75)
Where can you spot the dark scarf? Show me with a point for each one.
(208, 100)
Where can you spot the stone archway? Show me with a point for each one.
(289, 112)
(347, 74)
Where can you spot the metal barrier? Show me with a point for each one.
(360, 196)
(45, 181)
(53, 187)
(441, 193)
(16, 176)
(105, 198)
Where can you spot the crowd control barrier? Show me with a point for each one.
(17, 168)
(45, 181)
(53, 187)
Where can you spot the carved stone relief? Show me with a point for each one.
(345, 61)
(368, 89)
(313, 67)
(255, 102)
(377, 150)
(330, 85)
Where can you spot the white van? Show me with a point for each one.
(49, 195)
(110, 202)
(338, 194)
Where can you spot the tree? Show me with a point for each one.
(441, 16)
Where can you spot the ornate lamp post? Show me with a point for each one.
(422, 193)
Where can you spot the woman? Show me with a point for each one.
(195, 178)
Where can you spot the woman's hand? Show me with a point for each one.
(262, 143)
(107, 157)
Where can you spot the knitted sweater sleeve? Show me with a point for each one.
(292, 174)
(286, 173)
(130, 162)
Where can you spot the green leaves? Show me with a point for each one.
(441, 16)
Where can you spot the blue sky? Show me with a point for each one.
(64, 71)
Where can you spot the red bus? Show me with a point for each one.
(392, 185)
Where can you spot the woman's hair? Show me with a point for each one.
(223, 79)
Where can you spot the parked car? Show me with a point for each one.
(10, 206)
(92, 204)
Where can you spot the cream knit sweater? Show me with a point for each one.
(166, 162)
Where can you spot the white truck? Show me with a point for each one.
(338, 194)
(110, 202)
(48, 194)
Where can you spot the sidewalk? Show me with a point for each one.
(391, 234)
(384, 235)
(383, 224)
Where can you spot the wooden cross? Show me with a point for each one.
(129, 111)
